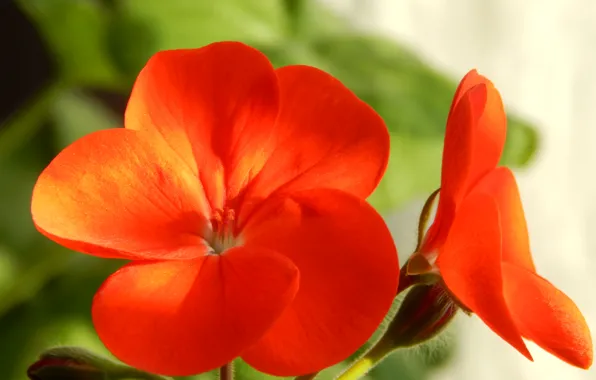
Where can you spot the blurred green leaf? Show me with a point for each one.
(18, 329)
(22, 126)
(319, 20)
(9, 270)
(412, 97)
(131, 41)
(32, 277)
(310, 19)
(213, 375)
(414, 170)
(77, 114)
(294, 10)
(522, 143)
(18, 174)
(76, 32)
(191, 23)
(245, 372)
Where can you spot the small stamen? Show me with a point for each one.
(222, 224)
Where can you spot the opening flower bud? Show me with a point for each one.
(424, 312)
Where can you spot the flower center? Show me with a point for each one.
(222, 231)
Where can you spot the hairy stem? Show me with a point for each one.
(369, 360)
(227, 372)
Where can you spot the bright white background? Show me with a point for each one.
(541, 55)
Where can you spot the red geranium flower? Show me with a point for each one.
(479, 244)
(238, 193)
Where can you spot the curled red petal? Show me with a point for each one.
(185, 317)
(474, 141)
(121, 193)
(488, 131)
(545, 315)
(326, 137)
(471, 79)
(470, 265)
(488, 139)
(457, 152)
(348, 277)
(501, 185)
(216, 106)
(459, 144)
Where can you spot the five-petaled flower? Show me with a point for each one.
(238, 193)
(478, 242)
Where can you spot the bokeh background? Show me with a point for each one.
(68, 65)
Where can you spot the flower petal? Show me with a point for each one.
(457, 152)
(490, 128)
(501, 184)
(120, 193)
(181, 317)
(470, 265)
(488, 138)
(474, 141)
(547, 316)
(327, 138)
(216, 106)
(471, 79)
(458, 146)
(348, 278)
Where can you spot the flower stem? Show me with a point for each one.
(227, 372)
(369, 360)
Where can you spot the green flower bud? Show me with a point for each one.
(424, 312)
